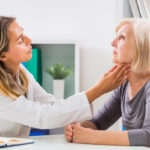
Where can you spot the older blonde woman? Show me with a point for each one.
(131, 100)
(24, 103)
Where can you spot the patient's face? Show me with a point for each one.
(124, 45)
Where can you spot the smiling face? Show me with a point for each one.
(124, 45)
(19, 49)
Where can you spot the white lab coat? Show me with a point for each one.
(40, 110)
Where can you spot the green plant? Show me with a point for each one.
(59, 71)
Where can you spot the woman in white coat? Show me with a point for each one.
(24, 103)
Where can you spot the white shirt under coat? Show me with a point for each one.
(40, 110)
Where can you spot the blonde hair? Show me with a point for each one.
(141, 30)
(8, 85)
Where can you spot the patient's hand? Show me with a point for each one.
(68, 131)
(82, 135)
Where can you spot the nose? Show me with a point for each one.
(114, 43)
(28, 40)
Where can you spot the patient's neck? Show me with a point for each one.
(135, 78)
(138, 80)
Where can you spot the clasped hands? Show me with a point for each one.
(76, 133)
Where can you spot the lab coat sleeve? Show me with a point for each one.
(40, 95)
(45, 116)
(43, 110)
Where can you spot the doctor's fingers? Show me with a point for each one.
(123, 80)
(122, 73)
(120, 68)
(113, 68)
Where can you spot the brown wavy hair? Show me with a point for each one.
(8, 84)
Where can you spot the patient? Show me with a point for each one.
(131, 100)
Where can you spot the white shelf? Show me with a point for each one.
(60, 52)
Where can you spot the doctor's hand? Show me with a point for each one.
(68, 131)
(113, 78)
(109, 81)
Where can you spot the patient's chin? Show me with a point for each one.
(118, 62)
(115, 61)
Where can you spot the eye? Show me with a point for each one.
(20, 40)
(122, 37)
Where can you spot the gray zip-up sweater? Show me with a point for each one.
(135, 113)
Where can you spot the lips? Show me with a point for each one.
(30, 50)
(114, 52)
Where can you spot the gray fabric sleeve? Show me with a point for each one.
(109, 112)
(141, 137)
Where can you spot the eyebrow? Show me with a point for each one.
(124, 33)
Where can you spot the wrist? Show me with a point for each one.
(91, 136)
(93, 93)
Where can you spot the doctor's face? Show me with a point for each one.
(19, 49)
(123, 44)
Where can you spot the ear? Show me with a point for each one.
(3, 56)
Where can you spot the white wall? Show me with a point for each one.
(90, 22)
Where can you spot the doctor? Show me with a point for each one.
(24, 103)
